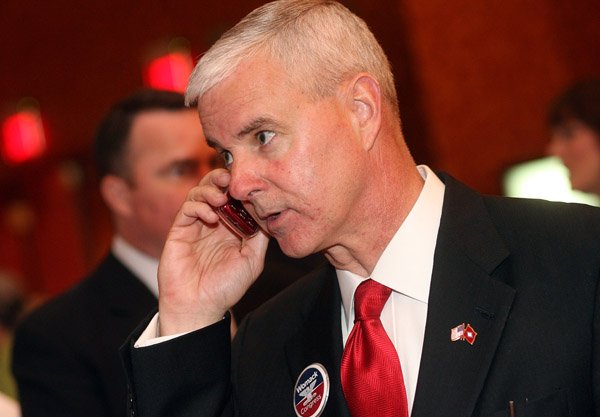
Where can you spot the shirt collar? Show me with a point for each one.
(142, 265)
(406, 263)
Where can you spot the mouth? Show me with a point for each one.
(272, 220)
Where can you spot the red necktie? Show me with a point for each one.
(371, 374)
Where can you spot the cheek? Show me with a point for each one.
(161, 204)
(593, 162)
(585, 144)
(594, 147)
(585, 158)
(329, 181)
(305, 175)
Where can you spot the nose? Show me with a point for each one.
(246, 179)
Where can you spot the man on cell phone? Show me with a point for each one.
(437, 301)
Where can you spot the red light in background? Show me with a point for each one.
(169, 72)
(23, 137)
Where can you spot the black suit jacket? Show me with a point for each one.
(65, 356)
(523, 273)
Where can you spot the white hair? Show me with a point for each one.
(318, 42)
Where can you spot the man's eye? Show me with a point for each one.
(265, 136)
(183, 169)
(227, 158)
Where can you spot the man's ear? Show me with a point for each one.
(116, 194)
(366, 107)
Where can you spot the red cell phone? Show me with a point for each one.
(234, 215)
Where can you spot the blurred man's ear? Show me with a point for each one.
(366, 107)
(116, 194)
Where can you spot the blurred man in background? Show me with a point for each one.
(574, 118)
(149, 151)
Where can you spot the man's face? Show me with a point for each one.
(297, 163)
(167, 156)
(578, 147)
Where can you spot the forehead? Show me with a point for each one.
(166, 132)
(163, 117)
(257, 88)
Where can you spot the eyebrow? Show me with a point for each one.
(249, 128)
(185, 162)
(254, 125)
(212, 143)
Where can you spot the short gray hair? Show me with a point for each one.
(319, 42)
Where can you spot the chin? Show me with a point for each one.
(295, 249)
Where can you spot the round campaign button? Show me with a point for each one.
(311, 391)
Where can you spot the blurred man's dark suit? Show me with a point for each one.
(67, 355)
(523, 273)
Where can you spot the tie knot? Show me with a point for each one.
(369, 299)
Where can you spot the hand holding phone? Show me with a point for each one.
(203, 271)
(234, 215)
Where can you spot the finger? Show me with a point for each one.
(219, 177)
(256, 248)
(209, 194)
(192, 211)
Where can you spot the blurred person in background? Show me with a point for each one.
(149, 151)
(574, 120)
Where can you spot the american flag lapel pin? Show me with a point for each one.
(463, 332)
(456, 333)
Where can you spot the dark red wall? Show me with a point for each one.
(474, 80)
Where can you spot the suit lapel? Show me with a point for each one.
(319, 340)
(465, 288)
(124, 296)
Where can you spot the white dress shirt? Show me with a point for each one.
(405, 266)
(143, 266)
